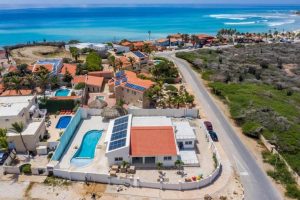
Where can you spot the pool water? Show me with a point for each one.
(100, 97)
(63, 122)
(62, 92)
(85, 154)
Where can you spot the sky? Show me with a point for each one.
(122, 2)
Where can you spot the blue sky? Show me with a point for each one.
(85, 2)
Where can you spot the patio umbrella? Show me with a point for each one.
(97, 104)
(113, 112)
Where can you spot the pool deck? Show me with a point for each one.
(99, 163)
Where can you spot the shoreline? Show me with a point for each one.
(296, 30)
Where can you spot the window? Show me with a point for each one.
(188, 142)
(166, 158)
(118, 159)
(127, 90)
(133, 92)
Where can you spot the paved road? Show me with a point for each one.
(255, 181)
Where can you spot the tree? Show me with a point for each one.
(18, 127)
(67, 77)
(132, 61)
(179, 163)
(159, 165)
(43, 79)
(15, 83)
(147, 48)
(93, 62)
(120, 62)
(80, 86)
(112, 62)
(22, 69)
(75, 53)
(3, 139)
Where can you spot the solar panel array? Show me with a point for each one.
(119, 133)
(120, 73)
(136, 87)
(139, 54)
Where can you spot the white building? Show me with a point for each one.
(185, 135)
(22, 109)
(120, 49)
(53, 65)
(100, 47)
(147, 140)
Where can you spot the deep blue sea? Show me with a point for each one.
(99, 24)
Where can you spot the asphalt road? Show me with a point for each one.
(255, 181)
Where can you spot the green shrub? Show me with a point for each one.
(26, 169)
(292, 191)
(53, 106)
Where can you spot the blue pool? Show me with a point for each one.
(86, 152)
(62, 92)
(63, 122)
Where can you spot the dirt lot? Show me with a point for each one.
(29, 55)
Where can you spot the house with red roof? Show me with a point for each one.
(132, 90)
(141, 141)
(92, 83)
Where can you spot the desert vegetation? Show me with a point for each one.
(261, 85)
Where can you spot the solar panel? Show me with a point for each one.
(118, 135)
(121, 120)
(135, 87)
(120, 127)
(117, 83)
(117, 144)
(139, 54)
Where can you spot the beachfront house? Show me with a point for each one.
(141, 141)
(53, 65)
(99, 47)
(22, 109)
(128, 87)
(120, 49)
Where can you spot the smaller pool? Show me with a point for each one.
(62, 92)
(100, 97)
(86, 153)
(63, 122)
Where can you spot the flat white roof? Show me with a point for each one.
(151, 121)
(183, 130)
(31, 129)
(12, 106)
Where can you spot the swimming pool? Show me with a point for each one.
(100, 97)
(63, 122)
(62, 92)
(85, 154)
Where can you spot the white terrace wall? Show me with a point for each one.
(194, 113)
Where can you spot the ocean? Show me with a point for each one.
(100, 24)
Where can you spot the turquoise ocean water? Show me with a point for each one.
(99, 24)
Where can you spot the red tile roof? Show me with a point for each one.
(152, 141)
(94, 81)
(70, 67)
(89, 80)
(79, 79)
(36, 67)
(205, 36)
(132, 78)
(24, 92)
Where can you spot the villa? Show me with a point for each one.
(100, 47)
(54, 66)
(128, 139)
(22, 109)
(92, 83)
(132, 90)
(139, 57)
(120, 48)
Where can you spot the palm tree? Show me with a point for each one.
(159, 165)
(179, 164)
(15, 83)
(75, 53)
(132, 61)
(120, 62)
(43, 80)
(30, 81)
(112, 62)
(18, 127)
(3, 139)
(149, 33)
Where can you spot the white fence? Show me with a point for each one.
(105, 178)
(194, 113)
